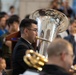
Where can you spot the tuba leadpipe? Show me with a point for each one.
(43, 39)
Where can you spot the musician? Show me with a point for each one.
(28, 30)
(60, 58)
(3, 30)
(72, 37)
(13, 26)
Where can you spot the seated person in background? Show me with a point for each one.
(2, 66)
(11, 10)
(60, 58)
(28, 30)
(5, 14)
(72, 37)
(13, 26)
(3, 31)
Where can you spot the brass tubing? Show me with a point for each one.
(43, 39)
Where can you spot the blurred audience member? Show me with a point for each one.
(27, 16)
(5, 14)
(11, 11)
(2, 66)
(67, 10)
(3, 31)
(72, 37)
(13, 26)
(54, 4)
(13, 23)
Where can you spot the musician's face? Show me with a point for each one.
(32, 33)
(14, 27)
(68, 59)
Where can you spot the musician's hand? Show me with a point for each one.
(8, 43)
(71, 70)
(75, 67)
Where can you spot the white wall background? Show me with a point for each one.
(7, 3)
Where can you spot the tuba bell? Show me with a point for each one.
(50, 23)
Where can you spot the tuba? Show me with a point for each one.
(50, 23)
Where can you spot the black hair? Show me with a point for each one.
(1, 16)
(26, 23)
(11, 7)
(12, 19)
(27, 16)
(3, 13)
(16, 16)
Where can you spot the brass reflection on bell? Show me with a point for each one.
(33, 59)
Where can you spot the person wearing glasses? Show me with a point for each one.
(60, 58)
(28, 30)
